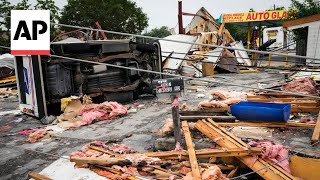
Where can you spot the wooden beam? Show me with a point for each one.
(176, 119)
(294, 109)
(300, 21)
(100, 161)
(305, 109)
(281, 99)
(38, 176)
(232, 173)
(298, 103)
(270, 125)
(100, 150)
(192, 155)
(216, 118)
(316, 131)
(227, 140)
(204, 153)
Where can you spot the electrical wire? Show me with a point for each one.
(270, 165)
(208, 55)
(241, 65)
(186, 77)
(184, 42)
(180, 76)
(178, 41)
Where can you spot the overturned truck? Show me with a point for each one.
(44, 80)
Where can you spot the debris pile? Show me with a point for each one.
(78, 114)
(203, 60)
(223, 99)
(302, 85)
(274, 152)
(36, 135)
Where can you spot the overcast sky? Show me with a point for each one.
(164, 12)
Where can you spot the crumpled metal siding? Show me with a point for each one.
(167, 46)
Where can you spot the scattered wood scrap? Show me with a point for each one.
(270, 125)
(38, 176)
(298, 104)
(316, 131)
(227, 140)
(192, 155)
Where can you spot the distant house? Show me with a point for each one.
(312, 46)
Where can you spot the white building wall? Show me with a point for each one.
(313, 45)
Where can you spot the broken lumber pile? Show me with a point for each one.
(227, 140)
(297, 104)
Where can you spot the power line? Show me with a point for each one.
(208, 55)
(178, 41)
(184, 42)
(180, 76)
(240, 65)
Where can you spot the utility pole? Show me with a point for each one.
(180, 22)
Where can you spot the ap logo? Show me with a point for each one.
(30, 32)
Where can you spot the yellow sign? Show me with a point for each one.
(255, 16)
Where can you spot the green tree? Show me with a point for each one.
(114, 15)
(54, 13)
(237, 32)
(302, 9)
(161, 32)
(5, 8)
(23, 5)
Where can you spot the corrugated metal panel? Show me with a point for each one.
(213, 56)
(167, 46)
(242, 56)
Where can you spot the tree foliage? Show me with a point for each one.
(302, 9)
(114, 15)
(159, 32)
(54, 13)
(239, 33)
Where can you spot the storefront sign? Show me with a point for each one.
(255, 16)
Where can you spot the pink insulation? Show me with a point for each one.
(120, 148)
(274, 152)
(103, 111)
(226, 99)
(303, 85)
(213, 172)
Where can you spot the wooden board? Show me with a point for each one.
(316, 131)
(270, 125)
(300, 21)
(192, 155)
(38, 176)
(294, 109)
(294, 102)
(305, 168)
(204, 153)
(225, 139)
